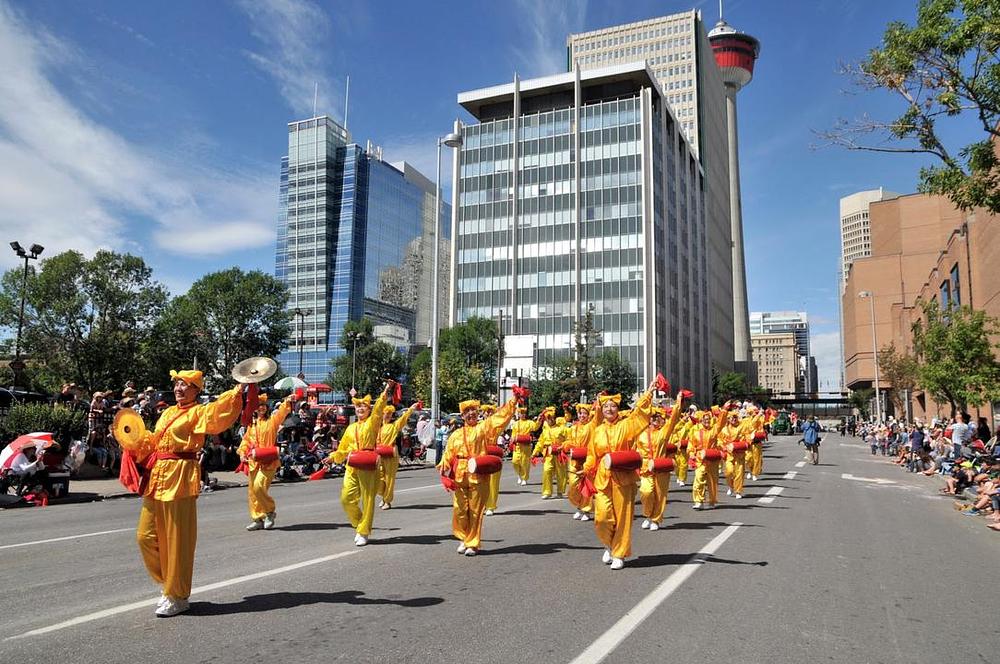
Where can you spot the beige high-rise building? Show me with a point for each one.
(677, 51)
(777, 361)
(855, 226)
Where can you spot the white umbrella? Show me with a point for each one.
(290, 383)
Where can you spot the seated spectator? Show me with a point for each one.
(17, 466)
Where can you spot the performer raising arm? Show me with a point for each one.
(654, 486)
(262, 434)
(387, 437)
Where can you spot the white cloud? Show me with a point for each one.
(294, 34)
(548, 24)
(825, 347)
(69, 182)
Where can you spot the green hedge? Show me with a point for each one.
(66, 424)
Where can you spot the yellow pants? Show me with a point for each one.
(494, 494)
(167, 534)
(358, 498)
(522, 460)
(735, 469)
(706, 476)
(653, 491)
(387, 478)
(261, 502)
(681, 464)
(614, 508)
(757, 460)
(562, 477)
(573, 493)
(467, 512)
(549, 475)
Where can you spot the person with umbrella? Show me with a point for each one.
(23, 458)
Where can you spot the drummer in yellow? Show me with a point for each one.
(520, 437)
(654, 487)
(168, 522)
(549, 445)
(360, 485)
(388, 465)
(262, 432)
(757, 434)
(471, 491)
(486, 411)
(734, 431)
(614, 504)
(680, 439)
(704, 437)
(579, 438)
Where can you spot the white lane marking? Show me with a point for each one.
(611, 639)
(790, 475)
(771, 494)
(421, 488)
(68, 537)
(800, 464)
(875, 480)
(107, 613)
(860, 447)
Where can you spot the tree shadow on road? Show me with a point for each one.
(539, 549)
(677, 559)
(287, 600)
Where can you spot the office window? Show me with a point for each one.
(955, 290)
(945, 294)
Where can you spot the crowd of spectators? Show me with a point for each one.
(964, 454)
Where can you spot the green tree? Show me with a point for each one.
(945, 71)
(554, 385)
(367, 362)
(467, 365)
(731, 385)
(956, 357)
(586, 338)
(862, 399)
(477, 341)
(85, 321)
(898, 372)
(614, 375)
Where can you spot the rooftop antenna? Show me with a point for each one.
(316, 94)
(720, 10)
(347, 98)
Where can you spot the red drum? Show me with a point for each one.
(523, 439)
(660, 465)
(623, 460)
(759, 437)
(713, 454)
(669, 448)
(741, 446)
(385, 450)
(264, 454)
(486, 464)
(683, 445)
(363, 459)
(494, 450)
(578, 453)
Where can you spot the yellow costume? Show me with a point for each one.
(580, 436)
(655, 487)
(706, 475)
(680, 439)
(168, 522)
(548, 447)
(756, 469)
(614, 504)
(388, 435)
(262, 433)
(358, 493)
(521, 460)
(735, 459)
(469, 502)
(493, 499)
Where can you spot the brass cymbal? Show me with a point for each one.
(254, 370)
(128, 429)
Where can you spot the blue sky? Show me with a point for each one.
(157, 128)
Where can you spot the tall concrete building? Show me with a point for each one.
(676, 49)
(577, 190)
(352, 230)
(796, 323)
(778, 361)
(855, 226)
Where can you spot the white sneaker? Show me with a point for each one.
(749, 476)
(645, 524)
(544, 497)
(729, 492)
(617, 563)
(461, 548)
(753, 477)
(696, 506)
(163, 600)
(269, 521)
(606, 557)
(386, 506)
(584, 517)
(680, 483)
(737, 496)
(171, 607)
(489, 512)
(470, 552)
(255, 525)
(577, 515)
(360, 540)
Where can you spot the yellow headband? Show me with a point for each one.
(561, 421)
(365, 400)
(488, 408)
(659, 412)
(471, 404)
(262, 399)
(522, 410)
(604, 398)
(190, 376)
(549, 410)
(389, 410)
(583, 406)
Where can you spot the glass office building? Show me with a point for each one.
(580, 190)
(352, 231)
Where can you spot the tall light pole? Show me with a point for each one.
(452, 140)
(30, 254)
(302, 323)
(878, 399)
(353, 336)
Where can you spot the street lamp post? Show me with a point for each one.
(302, 323)
(878, 399)
(452, 140)
(353, 336)
(30, 254)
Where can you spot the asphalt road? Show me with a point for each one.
(809, 566)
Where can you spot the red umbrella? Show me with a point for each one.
(38, 440)
(320, 387)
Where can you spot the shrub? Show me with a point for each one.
(65, 424)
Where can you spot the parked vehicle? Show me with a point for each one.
(782, 425)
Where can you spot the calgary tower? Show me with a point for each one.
(735, 53)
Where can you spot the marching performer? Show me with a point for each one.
(614, 503)
(703, 446)
(486, 411)
(680, 439)
(655, 486)
(262, 434)
(732, 439)
(471, 490)
(388, 465)
(757, 436)
(579, 440)
(168, 522)
(520, 436)
(360, 484)
(549, 447)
